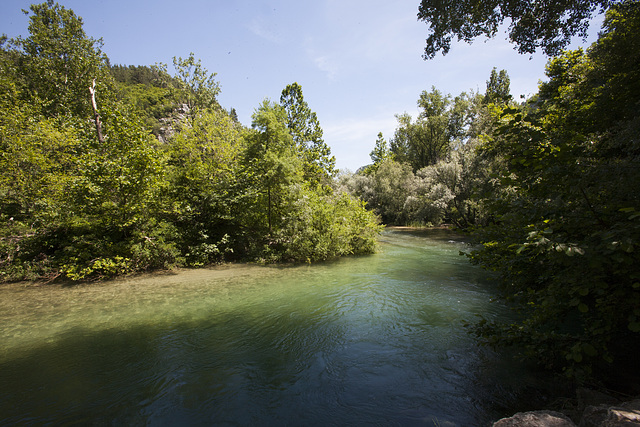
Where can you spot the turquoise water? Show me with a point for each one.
(373, 340)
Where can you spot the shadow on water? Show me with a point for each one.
(372, 340)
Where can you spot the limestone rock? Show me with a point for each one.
(170, 124)
(536, 419)
(625, 414)
(609, 413)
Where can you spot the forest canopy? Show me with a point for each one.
(533, 25)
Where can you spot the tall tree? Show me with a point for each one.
(548, 25)
(431, 136)
(273, 159)
(303, 124)
(61, 62)
(381, 151)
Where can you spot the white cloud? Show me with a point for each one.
(258, 27)
(325, 63)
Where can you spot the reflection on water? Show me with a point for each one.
(367, 340)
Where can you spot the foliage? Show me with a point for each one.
(88, 192)
(380, 153)
(60, 61)
(533, 24)
(431, 171)
(153, 104)
(196, 85)
(442, 124)
(304, 222)
(304, 127)
(436, 194)
(272, 162)
(566, 225)
(139, 75)
(387, 189)
(498, 91)
(319, 227)
(204, 161)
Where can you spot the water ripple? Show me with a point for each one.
(368, 340)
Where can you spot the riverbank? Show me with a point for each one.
(58, 280)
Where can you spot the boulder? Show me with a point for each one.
(625, 414)
(536, 419)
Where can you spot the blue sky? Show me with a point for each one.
(358, 61)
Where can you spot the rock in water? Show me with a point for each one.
(536, 419)
(625, 414)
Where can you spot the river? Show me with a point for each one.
(371, 340)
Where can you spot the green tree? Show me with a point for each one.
(113, 203)
(153, 104)
(380, 153)
(303, 124)
(445, 191)
(234, 115)
(387, 189)
(498, 90)
(273, 160)
(533, 25)
(60, 61)
(292, 218)
(321, 226)
(199, 88)
(204, 163)
(38, 159)
(429, 139)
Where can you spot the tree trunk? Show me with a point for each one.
(96, 115)
(269, 209)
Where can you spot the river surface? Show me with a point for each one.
(372, 340)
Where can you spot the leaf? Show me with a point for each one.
(589, 350)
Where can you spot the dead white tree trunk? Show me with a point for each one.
(96, 115)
